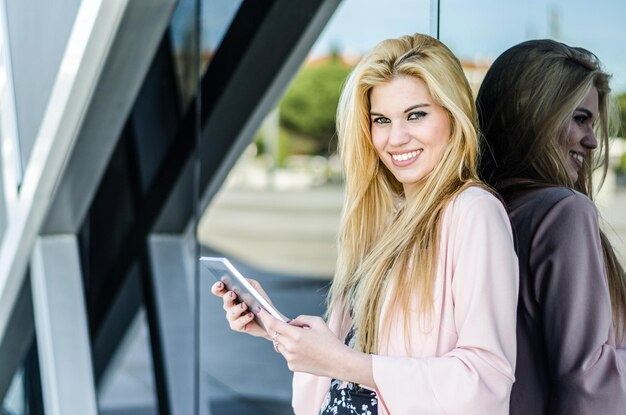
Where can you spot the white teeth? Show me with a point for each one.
(406, 156)
(577, 157)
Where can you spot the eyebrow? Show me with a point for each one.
(585, 111)
(411, 108)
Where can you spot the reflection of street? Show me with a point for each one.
(292, 232)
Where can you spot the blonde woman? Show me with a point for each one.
(421, 316)
(544, 109)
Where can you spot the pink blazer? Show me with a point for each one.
(465, 364)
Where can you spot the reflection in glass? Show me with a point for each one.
(478, 34)
(216, 18)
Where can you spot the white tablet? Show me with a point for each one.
(222, 270)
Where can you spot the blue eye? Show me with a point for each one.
(381, 120)
(416, 115)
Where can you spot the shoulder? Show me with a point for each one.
(574, 215)
(475, 210)
(477, 200)
(573, 200)
(560, 198)
(555, 221)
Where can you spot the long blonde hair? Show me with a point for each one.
(383, 252)
(524, 103)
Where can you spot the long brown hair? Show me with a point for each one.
(524, 103)
(380, 253)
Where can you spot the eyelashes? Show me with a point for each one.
(417, 115)
(413, 116)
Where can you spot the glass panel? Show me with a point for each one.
(277, 215)
(37, 28)
(495, 26)
(11, 157)
(217, 16)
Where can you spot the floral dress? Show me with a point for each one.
(347, 398)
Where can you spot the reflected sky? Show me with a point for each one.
(482, 29)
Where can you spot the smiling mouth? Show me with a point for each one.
(406, 156)
(577, 157)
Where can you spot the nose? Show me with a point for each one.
(589, 141)
(398, 135)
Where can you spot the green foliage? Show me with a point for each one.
(309, 105)
(621, 168)
(259, 141)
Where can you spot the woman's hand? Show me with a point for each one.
(239, 317)
(308, 345)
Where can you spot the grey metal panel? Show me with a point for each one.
(133, 48)
(170, 267)
(61, 323)
(38, 32)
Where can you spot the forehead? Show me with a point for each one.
(591, 101)
(401, 91)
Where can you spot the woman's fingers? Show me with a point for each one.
(230, 299)
(241, 323)
(238, 316)
(307, 321)
(218, 289)
(235, 311)
(273, 325)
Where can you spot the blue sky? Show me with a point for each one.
(484, 28)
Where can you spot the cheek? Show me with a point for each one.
(567, 137)
(442, 140)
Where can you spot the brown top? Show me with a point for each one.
(567, 360)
